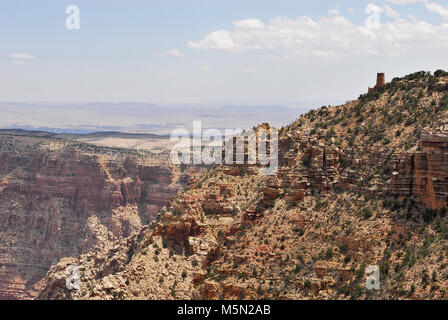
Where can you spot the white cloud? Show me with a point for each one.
(21, 56)
(412, 18)
(391, 12)
(172, 53)
(220, 40)
(404, 1)
(249, 23)
(249, 70)
(437, 8)
(325, 37)
(333, 12)
(206, 68)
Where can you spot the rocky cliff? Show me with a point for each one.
(359, 184)
(58, 200)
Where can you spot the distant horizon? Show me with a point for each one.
(143, 118)
(211, 104)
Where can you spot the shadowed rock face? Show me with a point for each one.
(58, 204)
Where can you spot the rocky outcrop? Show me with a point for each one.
(60, 204)
(425, 174)
(309, 231)
(212, 254)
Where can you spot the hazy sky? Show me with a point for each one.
(214, 51)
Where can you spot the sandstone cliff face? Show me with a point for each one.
(425, 174)
(347, 195)
(64, 203)
(168, 259)
(304, 233)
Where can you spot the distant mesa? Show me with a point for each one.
(380, 81)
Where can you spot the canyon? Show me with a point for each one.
(359, 184)
(59, 198)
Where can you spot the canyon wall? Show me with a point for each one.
(60, 204)
(423, 173)
(230, 223)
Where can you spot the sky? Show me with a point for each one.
(214, 52)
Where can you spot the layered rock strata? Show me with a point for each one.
(59, 204)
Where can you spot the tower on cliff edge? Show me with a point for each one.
(380, 81)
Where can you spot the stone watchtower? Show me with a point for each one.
(380, 81)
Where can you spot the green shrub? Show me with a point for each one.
(329, 253)
(366, 213)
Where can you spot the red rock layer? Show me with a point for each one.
(54, 205)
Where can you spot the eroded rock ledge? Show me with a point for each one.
(199, 249)
(65, 203)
